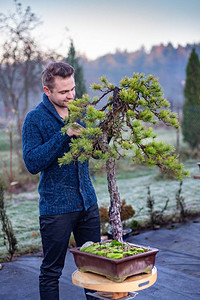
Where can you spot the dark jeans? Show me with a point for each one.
(55, 233)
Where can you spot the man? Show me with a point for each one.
(67, 198)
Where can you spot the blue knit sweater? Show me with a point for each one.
(62, 189)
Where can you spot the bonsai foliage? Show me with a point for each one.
(122, 127)
(191, 108)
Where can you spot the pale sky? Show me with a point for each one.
(98, 27)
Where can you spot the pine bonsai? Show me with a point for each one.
(122, 126)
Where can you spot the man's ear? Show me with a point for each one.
(46, 90)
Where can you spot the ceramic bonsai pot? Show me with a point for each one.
(116, 270)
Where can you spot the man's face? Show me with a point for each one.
(63, 91)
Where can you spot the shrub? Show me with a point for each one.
(9, 235)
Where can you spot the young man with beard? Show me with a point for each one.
(67, 198)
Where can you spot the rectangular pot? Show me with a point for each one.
(115, 269)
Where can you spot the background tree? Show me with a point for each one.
(73, 60)
(122, 126)
(20, 62)
(191, 108)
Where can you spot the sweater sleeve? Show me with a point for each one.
(37, 154)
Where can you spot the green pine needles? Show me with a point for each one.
(123, 125)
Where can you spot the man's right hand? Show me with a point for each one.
(74, 130)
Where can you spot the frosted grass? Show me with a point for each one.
(134, 190)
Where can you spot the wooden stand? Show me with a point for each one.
(113, 290)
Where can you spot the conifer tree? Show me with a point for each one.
(73, 60)
(122, 126)
(191, 108)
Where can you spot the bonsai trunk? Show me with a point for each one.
(115, 203)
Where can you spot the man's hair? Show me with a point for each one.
(61, 69)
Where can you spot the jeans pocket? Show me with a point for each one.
(92, 213)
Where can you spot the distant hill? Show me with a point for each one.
(165, 62)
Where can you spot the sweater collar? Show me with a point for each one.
(51, 108)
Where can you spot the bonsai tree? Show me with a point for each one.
(121, 127)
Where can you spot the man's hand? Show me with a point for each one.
(74, 130)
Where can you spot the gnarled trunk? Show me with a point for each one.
(115, 203)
